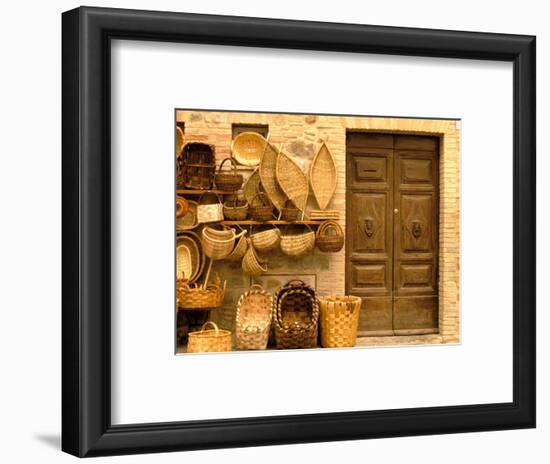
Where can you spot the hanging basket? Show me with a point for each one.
(228, 181)
(247, 148)
(251, 264)
(266, 240)
(297, 244)
(339, 318)
(195, 297)
(236, 209)
(218, 244)
(289, 212)
(296, 315)
(209, 212)
(260, 208)
(239, 250)
(188, 258)
(209, 340)
(253, 319)
(196, 166)
(330, 237)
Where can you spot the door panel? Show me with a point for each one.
(392, 232)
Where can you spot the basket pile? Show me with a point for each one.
(339, 320)
(253, 319)
(209, 340)
(295, 316)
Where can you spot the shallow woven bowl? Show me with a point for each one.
(247, 148)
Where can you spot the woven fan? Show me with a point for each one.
(292, 180)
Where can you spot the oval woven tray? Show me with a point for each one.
(323, 176)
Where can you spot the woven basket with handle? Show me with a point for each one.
(289, 211)
(236, 209)
(228, 181)
(195, 297)
(260, 208)
(209, 212)
(339, 318)
(239, 250)
(209, 340)
(295, 316)
(253, 319)
(216, 247)
(330, 237)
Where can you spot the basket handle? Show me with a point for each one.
(325, 226)
(233, 164)
(255, 286)
(210, 193)
(213, 324)
(262, 195)
(296, 282)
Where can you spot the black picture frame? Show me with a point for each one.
(86, 287)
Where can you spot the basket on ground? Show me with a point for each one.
(253, 319)
(228, 181)
(193, 296)
(330, 237)
(295, 316)
(209, 340)
(339, 318)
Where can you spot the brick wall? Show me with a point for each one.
(300, 136)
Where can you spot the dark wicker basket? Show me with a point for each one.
(261, 210)
(196, 166)
(329, 237)
(296, 316)
(289, 212)
(228, 181)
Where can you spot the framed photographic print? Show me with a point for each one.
(346, 209)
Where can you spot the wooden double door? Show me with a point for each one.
(392, 229)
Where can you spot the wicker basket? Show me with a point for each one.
(247, 148)
(236, 209)
(192, 296)
(260, 208)
(182, 207)
(297, 244)
(339, 318)
(251, 264)
(266, 240)
(196, 166)
(209, 212)
(289, 212)
(330, 237)
(216, 247)
(239, 250)
(188, 258)
(296, 314)
(209, 340)
(228, 181)
(189, 220)
(253, 319)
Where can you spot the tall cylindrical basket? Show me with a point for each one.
(339, 318)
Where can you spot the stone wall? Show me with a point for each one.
(300, 136)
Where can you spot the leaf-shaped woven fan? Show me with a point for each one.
(322, 176)
(252, 186)
(292, 180)
(268, 178)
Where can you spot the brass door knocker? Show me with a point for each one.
(416, 229)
